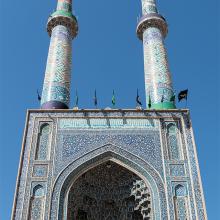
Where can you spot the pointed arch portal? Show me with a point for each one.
(109, 192)
(126, 169)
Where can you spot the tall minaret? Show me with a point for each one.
(152, 29)
(62, 27)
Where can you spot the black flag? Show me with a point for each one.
(183, 95)
(95, 99)
(76, 99)
(38, 96)
(138, 99)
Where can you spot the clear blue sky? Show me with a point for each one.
(107, 55)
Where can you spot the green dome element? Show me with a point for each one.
(164, 105)
(62, 13)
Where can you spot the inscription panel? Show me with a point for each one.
(100, 123)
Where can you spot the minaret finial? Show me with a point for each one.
(152, 29)
(62, 27)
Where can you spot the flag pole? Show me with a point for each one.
(76, 101)
(113, 98)
(186, 100)
(186, 104)
(95, 100)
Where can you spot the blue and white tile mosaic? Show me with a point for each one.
(58, 72)
(177, 170)
(136, 139)
(40, 170)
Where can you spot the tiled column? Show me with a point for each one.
(62, 27)
(152, 29)
(65, 5)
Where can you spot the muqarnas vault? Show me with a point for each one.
(108, 164)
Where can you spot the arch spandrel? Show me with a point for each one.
(71, 145)
(98, 156)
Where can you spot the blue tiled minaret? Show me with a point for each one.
(152, 29)
(62, 27)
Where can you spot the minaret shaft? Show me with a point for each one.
(65, 5)
(148, 6)
(62, 27)
(56, 88)
(152, 29)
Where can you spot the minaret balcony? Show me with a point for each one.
(151, 20)
(63, 18)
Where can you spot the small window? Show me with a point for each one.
(180, 190)
(38, 191)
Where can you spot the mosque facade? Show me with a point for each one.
(108, 164)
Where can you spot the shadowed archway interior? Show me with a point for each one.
(109, 192)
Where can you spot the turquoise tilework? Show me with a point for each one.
(75, 148)
(149, 6)
(158, 81)
(58, 72)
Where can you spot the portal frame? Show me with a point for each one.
(108, 152)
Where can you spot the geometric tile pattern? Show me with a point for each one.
(177, 170)
(148, 6)
(62, 27)
(58, 71)
(157, 75)
(72, 144)
(40, 170)
(181, 208)
(158, 81)
(36, 209)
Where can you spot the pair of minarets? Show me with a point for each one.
(152, 29)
